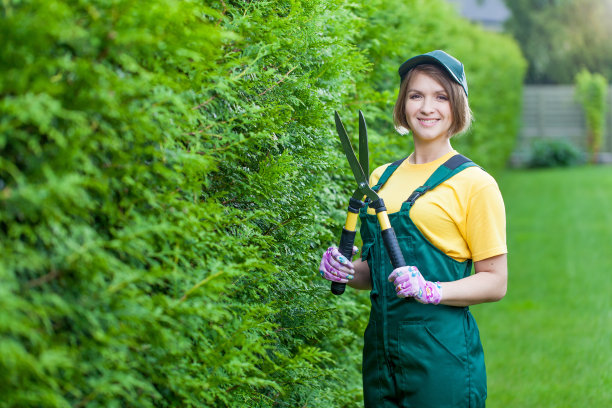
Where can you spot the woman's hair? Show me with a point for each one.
(462, 115)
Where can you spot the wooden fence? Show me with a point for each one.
(551, 112)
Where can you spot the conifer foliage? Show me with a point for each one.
(169, 176)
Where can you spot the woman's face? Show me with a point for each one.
(428, 109)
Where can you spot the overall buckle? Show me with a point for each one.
(416, 194)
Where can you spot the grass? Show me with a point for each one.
(548, 343)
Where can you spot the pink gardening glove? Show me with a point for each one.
(409, 282)
(335, 267)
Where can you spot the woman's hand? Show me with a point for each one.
(335, 267)
(409, 282)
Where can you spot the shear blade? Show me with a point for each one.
(360, 177)
(364, 159)
(349, 152)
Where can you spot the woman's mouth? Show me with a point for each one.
(428, 122)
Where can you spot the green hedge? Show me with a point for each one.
(169, 177)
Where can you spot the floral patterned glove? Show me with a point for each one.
(409, 282)
(335, 267)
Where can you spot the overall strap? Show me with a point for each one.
(447, 170)
(387, 173)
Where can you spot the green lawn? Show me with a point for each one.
(548, 343)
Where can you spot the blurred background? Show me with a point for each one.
(559, 39)
(170, 175)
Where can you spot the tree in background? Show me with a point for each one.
(591, 92)
(561, 37)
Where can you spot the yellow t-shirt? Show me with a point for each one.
(463, 216)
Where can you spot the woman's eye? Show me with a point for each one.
(442, 97)
(414, 96)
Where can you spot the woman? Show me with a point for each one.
(422, 346)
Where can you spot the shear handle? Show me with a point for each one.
(388, 235)
(347, 239)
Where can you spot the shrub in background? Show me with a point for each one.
(554, 153)
(591, 91)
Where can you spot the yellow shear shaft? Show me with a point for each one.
(351, 221)
(383, 220)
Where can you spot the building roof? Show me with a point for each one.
(490, 13)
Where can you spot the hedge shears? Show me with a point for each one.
(361, 170)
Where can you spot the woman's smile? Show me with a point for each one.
(428, 122)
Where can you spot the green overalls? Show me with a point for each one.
(418, 355)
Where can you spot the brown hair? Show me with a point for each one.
(462, 115)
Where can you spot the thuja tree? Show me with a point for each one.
(167, 182)
(100, 202)
(592, 91)
(267, 121)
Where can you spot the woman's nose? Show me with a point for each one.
(427, 105)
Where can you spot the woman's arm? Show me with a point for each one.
(362, 276)
(488, 284)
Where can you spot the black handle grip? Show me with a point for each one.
(347, 239)
(393, 249)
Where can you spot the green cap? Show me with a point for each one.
(440, 58)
